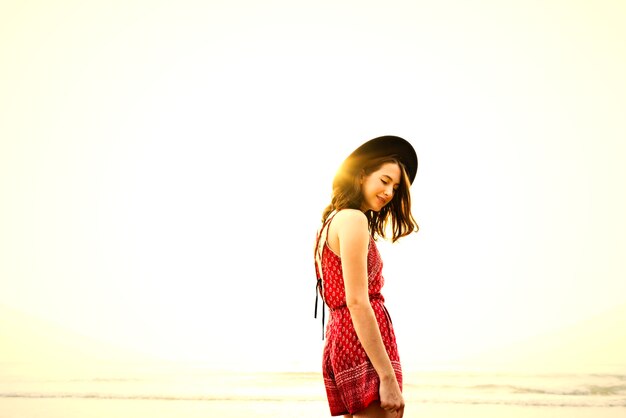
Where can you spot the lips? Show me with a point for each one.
(381, 200)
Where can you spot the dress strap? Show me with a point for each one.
(319, 247)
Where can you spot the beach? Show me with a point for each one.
(171, 391)
(101, 408)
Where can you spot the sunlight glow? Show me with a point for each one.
(163, 168)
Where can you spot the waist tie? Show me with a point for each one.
(372, 297)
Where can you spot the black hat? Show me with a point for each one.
(383, 146)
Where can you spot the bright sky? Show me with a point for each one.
(163, 167)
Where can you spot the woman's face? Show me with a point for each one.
(378, 187)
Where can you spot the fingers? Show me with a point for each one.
(398, 413)
(398, 408)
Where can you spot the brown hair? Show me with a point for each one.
(347, 195)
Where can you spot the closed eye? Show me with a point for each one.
(385, 182)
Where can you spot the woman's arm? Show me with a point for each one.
(353, 236)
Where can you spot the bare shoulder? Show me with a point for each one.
(349, 229)
(351, 216)
(352, 220)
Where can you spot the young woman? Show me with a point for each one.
(370, 199)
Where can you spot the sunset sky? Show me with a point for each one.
(163, 168)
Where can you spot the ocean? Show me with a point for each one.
(170, 390)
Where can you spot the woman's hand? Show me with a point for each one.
(391, 398)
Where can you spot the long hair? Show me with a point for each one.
(347, 195)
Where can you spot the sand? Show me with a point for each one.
(107, 408)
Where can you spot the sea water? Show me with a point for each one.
(171, 390)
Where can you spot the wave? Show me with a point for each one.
(587, 402)
(557, 390)
(589, 390)
(531, 402)
(107, 396)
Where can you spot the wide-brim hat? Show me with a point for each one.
(386, 146)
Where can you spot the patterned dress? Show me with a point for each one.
(350, 379)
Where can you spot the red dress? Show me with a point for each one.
(350, 379)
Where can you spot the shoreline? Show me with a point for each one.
(105, 408)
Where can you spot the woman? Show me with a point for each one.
(370, 199)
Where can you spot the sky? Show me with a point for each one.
(164, 165)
